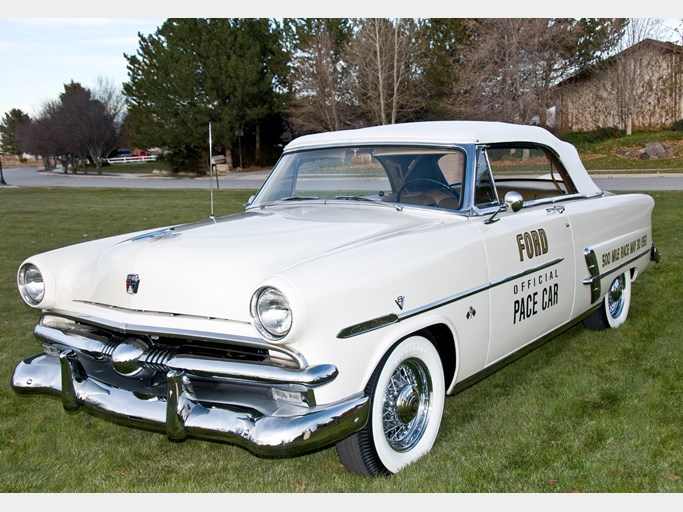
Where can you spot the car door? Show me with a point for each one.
(531, 267)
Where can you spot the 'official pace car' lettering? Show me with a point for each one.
(532, 243)
(531, 304)
(533, 300)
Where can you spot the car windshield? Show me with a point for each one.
(415, 175)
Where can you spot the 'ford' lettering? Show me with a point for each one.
(532, 243)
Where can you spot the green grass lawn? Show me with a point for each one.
(619, 153)
(598, 412)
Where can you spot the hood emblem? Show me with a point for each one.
(399, 301)
(132, 283)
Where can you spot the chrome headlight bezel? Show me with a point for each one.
(31, 284)
(271, 313)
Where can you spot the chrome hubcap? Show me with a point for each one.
(615, 301)
(407, 404)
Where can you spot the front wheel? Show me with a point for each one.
(407, 393)
(614, 309)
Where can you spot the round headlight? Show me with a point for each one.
(31, 285)
(271, 313)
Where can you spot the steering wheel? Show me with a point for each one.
(433, 182)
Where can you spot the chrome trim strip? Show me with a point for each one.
(378, 323)
(593, 280)
(368, 325)
(148, 330)
(593, 270)
(381, 143)
(289, 431)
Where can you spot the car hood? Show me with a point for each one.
(211, 269)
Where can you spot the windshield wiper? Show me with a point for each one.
(299, 198)
(371, 200)
(290, 198)
(358, 198)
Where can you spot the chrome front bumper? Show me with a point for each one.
(223, 407)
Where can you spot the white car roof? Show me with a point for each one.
(454, 132)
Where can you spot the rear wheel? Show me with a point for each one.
(407, 393)
(614, 309)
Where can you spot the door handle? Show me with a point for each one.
(555, 209)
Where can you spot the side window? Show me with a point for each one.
(484, 190)
(533, 171)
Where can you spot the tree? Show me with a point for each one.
(319, 94)
(76, 129)
(230, 72)
(10, 128)
(88, 129)
(511, 64)
(382, 59)
(633, 80)
(446, 40)
(40, 137)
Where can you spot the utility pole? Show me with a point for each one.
(240, 133)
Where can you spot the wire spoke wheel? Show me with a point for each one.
(615, 297)
(408, 393)
(614, 308)
(406, 406)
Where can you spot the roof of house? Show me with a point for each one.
(586, 72)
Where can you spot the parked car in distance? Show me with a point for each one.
(375, 272)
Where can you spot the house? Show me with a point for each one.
(640, 88)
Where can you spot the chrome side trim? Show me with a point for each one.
(594, 271)
(383, 321)
(368, 325)
(287, 431)
(593, 280)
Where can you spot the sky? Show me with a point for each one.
(39, 55)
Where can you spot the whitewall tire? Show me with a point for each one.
(614, 309)
(407, 392)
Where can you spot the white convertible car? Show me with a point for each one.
(374, 273)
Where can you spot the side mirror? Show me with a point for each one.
(512, 202)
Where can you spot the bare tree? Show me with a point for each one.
(112, 97)
(508, 69)
(320, 102)
(382, 58)
(633, 81)
(510, 65)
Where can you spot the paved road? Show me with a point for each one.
(649, 182)
(29, 177)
